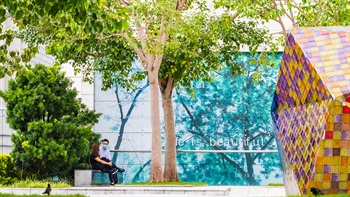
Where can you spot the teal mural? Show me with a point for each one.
(230, 114)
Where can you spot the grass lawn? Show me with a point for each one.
(36, 195)
(36, 184)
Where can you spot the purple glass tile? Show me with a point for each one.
(311, 39)
(328, 151)
(344, 89)
(337, 67)
(343, 61)
(326, 37)
(340, 53)
(346, 49)
(321, 70)
(322, 48)
(300, 31)
(338, 118)
(335, 177)
(344, 135)
(327, 168)
(341, 78)
(332, 79)
(316, 33)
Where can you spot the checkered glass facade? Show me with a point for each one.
(310, 110)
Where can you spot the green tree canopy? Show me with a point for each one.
(53, 127)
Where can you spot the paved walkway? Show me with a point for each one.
(135, 191)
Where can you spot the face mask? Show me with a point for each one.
(104, 146)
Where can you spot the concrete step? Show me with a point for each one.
(150, 191)
(127, 191)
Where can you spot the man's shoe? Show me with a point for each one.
(120, 170)
(112, 184)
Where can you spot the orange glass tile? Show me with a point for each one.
(329, 126)
(319, 161)
(344, 144)
(318, 184)
(327, 176)
(336, 143)
(343, 160)
(345, 126)
(346, 117)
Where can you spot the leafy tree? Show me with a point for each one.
(53, 128)
(204, 44)
(305, 13)
(158, 29)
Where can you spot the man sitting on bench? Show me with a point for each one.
(105, 155)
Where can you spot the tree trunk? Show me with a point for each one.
(170, 169)
(156, 152)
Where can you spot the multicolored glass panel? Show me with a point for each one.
(310, 110)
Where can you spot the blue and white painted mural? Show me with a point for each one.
(232, 113)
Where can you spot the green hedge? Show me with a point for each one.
(7, 172)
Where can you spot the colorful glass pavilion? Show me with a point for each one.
(311, 110)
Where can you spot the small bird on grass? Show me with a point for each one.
(48, 190)
(316, 191)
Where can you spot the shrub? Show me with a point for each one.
(7, 173)
(53, 127)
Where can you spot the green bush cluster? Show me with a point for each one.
(53, 127)
(7, 172)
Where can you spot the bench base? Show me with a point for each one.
(86, 178)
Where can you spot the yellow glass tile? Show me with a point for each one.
(336, 160)
(319, 169)
(343, 185)
(343, 177)
(335, 169)
(330, 120)
(321, 152)
(343, 168)
(328, 143)
(326, 185)
(337, 110)
(327, 160)
(337, 135)
(337, 102)
(319, 177)
(344, 152)
(318, 184)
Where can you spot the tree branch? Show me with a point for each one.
(137, 50)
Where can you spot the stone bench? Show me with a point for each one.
(86, 178)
